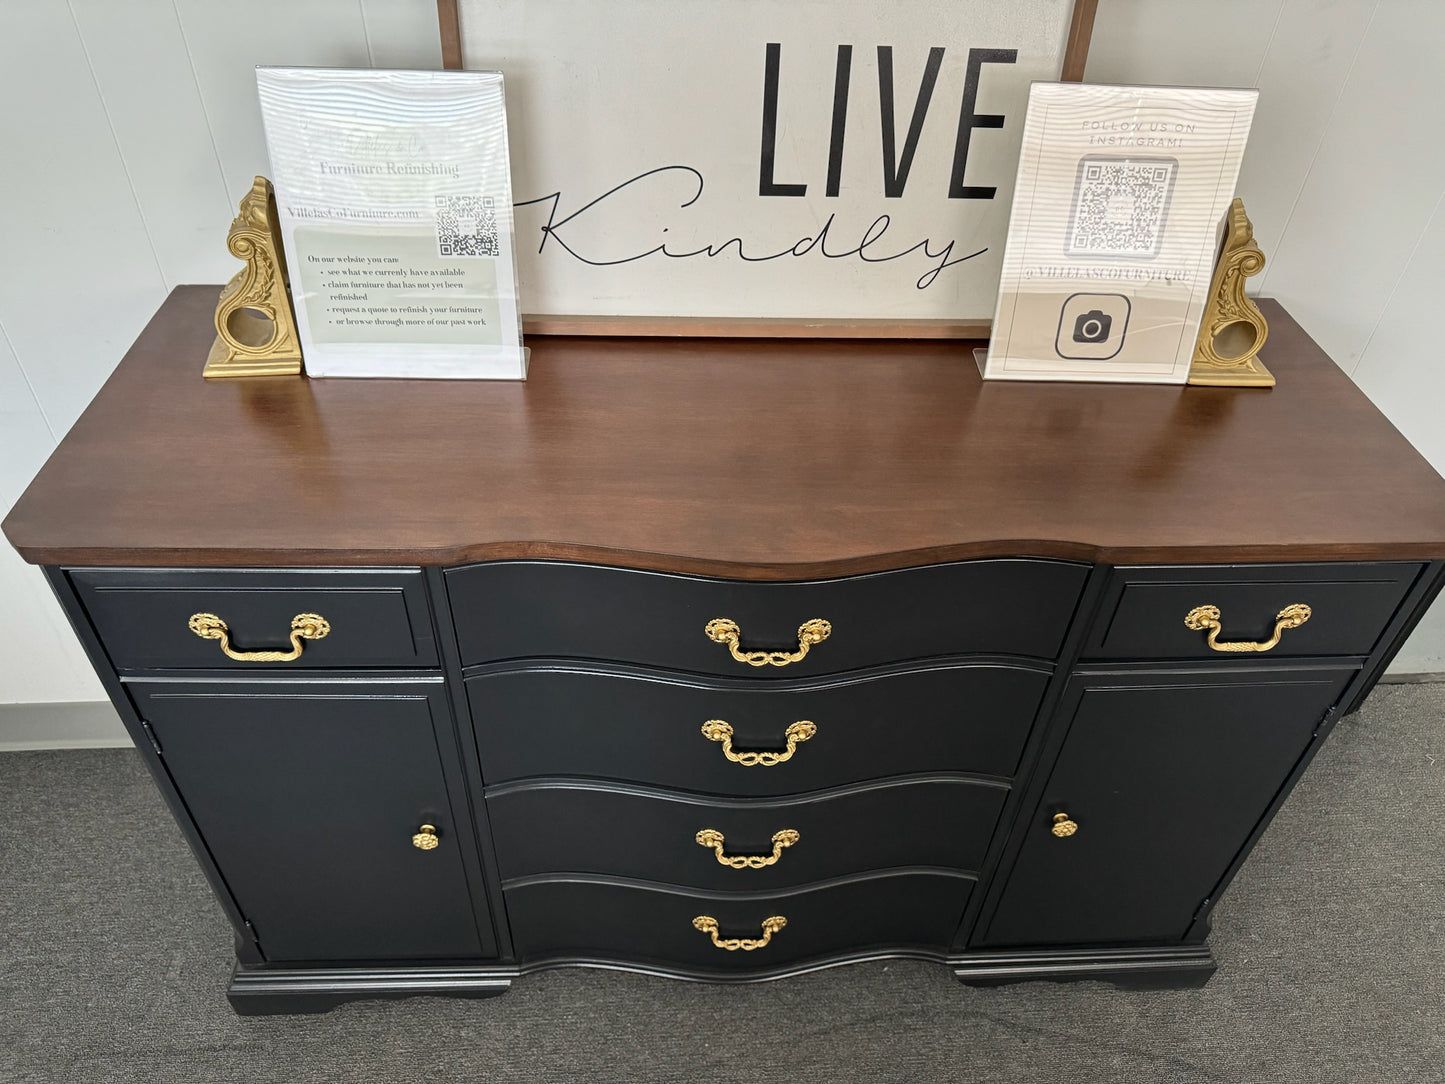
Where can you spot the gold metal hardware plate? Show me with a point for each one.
(1063, 827)
(426, 838)
(1203, 618)
(303, 627)
(708, 925)
(724, 630)
(797, 733)
(711, 837)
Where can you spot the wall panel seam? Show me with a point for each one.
(366, 33)
(205, 112)
(1399, 278)
(1269, 43)
(115, 140)
(29, 386)
(1263, 277)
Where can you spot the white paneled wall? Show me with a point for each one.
(40, 660)
(130, 129)
(1375, 178)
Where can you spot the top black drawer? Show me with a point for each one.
(518, 609)
(1144, 609)
(376, 618)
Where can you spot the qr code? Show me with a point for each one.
(1120, 205)
(467, 226)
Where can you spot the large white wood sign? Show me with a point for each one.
(758, 158)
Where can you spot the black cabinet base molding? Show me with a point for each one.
(313, 990)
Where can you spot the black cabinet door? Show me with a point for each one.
(1166, 776)
(307, 796)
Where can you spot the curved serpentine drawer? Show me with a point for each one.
(642, 727)
(520, 609)
(597, 919)
(652, 835)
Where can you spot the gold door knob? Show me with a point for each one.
(708, 925)
(724, 630)
(1207, 617)
(711, 837)
(303, 627)
(795, 735)
(1063, 827)
(426, 838)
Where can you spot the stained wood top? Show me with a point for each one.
(763, 459)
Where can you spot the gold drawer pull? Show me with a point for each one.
(426, 838)
(1207, 617)
(1064, 826)
(711, 837)
(303, 627)
(723, 630)
(708, 925)
(796, 734)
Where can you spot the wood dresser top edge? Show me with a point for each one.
(682, 564)
(766, 460)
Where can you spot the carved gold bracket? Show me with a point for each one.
(1233, 328)
(255, 328)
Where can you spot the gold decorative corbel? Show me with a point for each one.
(1233, 328)
(255, 328)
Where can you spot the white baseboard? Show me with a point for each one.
(91, 725)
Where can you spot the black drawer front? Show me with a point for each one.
(644, 728)
(1144, 609)
(653, 835)
(576, 918)
(521, 609)
(308, 795)
(142, 616)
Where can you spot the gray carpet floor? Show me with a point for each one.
(113, 962)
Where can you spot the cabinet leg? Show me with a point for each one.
(1172, 967)
(261, 992)
(1184, 979)
(254, 1004)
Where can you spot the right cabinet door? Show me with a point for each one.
(1163, 776)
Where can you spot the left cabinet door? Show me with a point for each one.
(308, 796)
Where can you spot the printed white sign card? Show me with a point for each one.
(1115, 230)
(394, 195)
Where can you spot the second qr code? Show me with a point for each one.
(467, 226)
(1120, 205)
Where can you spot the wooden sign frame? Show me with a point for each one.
(1076, 54)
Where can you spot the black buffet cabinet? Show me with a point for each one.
(1019, 767)
(723, 659)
